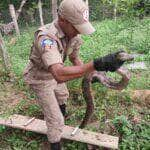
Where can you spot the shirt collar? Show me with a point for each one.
(60, 33)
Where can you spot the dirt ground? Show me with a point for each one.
(9, 96)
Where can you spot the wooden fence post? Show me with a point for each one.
(115, 10)
(8, 28)
(4, 54)
(54, 9)
(14, 18)
(40, 12)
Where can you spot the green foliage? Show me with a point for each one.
(74, 146)
(122, 125)
(130, 34)
(133, 136)
(19, 51)
(102, 9)
(2, 128)
(19, 141)
(99, 10)
(34, 109)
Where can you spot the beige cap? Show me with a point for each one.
(77, 13)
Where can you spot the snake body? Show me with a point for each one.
(102, 78)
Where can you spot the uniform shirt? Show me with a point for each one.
(50, 47)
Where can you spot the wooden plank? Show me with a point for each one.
(39, 126)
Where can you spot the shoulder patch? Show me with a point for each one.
(48, 43)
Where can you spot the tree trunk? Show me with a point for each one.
(4, 55)
(115, 10)
(20, 8)
(54, 9)
(13, 15)
(40, 12)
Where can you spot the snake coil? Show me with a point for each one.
(106, 81)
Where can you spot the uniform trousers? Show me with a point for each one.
(50, 96)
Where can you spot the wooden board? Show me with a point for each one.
(39, 126)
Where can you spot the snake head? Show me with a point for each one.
(123, 56)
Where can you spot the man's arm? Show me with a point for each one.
(74, 58)
(109, 62)
(63, 74)
(53, 62)
(76, 43)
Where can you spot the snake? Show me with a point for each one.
(101, 77)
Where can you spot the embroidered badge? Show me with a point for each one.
(86, 15)
(49, 43)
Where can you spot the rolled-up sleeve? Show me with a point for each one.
(49, 52)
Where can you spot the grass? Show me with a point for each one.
(118, 107)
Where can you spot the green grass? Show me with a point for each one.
(118, 107)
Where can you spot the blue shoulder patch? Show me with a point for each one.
(48, 43)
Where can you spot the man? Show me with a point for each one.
(46, 72)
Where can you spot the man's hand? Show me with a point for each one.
(108, 63)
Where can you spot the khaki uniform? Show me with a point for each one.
(36, 75)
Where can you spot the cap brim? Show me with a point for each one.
(85, 28)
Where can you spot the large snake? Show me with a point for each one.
(106, 81)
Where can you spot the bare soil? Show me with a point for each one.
(10, 96)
